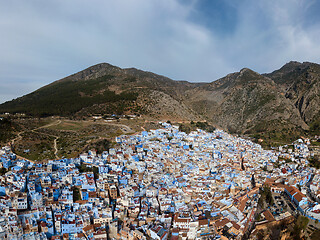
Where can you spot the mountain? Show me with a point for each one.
(281, 105)
(244, 102)
(104, 88)
(300, 83)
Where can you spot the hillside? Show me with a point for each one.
(248, 103)
(300, 83)
(279, 106)
(104, 88)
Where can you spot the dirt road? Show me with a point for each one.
(19, 137)
(124, 128)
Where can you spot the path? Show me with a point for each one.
(55, 147)
(124, 128)
(19, 137)
(16, 138)
(32, 130)
(56, 137)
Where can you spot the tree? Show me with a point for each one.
(84, 168)
(258, 217)
(184, 128)
(266, 195)
(253, 181)
(260, 235)
(3, 171)
(302, 222)
(95, 172)
(261, 202)
(299, 187)
(76, 194)
(242, 165)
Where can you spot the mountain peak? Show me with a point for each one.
(94, 71)
(243, 70)
(293, 63)
(290, 66)
(247, 74)
(100, 66)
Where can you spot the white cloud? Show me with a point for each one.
(47, 40)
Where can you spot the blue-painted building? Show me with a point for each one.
(6, 161)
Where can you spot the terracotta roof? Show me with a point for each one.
(295, 193)
(221, 223)
(235, 225)
(203, 222)
(268, 215)
(299, 196)
(88, 228)
(242, 204)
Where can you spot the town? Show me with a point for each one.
(158, 184)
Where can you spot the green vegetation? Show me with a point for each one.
(85, 168)
(35, 146)
(99, 146)
(243, 102)
(266, 196)
(315, 143)
(263, 99)
(205, 126)
(314, 161)
(315, 127)
(68, 97)
(3, 171)
(260, 234)
(273, 133)
(130, 79)
(155, 139)
(187, 128)
(7, 128)
(261, 203)
(69, 126)
(184, 128)
(315, 235)
(72, 137)
(300, 224)
(76, 194)
(258, 217)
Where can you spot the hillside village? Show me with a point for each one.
(158, 184)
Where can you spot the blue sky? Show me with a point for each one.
(193, 40)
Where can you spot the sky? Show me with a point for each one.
(193, 40)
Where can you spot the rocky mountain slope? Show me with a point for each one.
(245, 102)
(300, 83)
(279, 105)
(106, 89)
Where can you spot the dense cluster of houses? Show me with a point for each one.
(161, 184)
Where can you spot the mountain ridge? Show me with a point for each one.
(281, 102)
